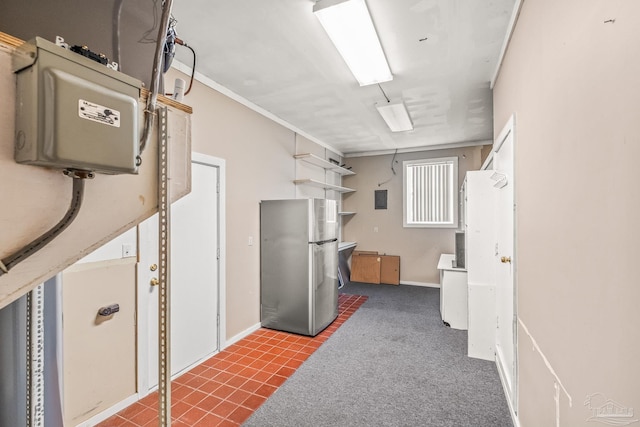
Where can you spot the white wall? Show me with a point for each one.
(571, 78)
(419, 248)
(260, 166)
(122, 246)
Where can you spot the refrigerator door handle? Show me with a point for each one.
(322, 242)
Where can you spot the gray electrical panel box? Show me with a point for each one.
(74, 113)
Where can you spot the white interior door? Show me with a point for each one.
(194, 278)
(506, 349)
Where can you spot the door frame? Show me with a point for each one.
(143, 327)
(511, 395)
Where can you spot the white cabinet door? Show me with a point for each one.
(480, 250)
(453, 293)
(454, 298)
(479, 230)
(482, 322)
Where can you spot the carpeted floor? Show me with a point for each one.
(393, 363)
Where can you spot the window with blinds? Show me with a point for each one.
(431, 192)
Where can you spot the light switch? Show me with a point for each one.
(250, 241)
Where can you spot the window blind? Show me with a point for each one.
(430, 193)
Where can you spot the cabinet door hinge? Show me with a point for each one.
(218, 253)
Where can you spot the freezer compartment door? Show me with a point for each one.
(323, 224)
(324, 289)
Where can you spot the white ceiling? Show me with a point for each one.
(276, 55)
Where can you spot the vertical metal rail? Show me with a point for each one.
(28, 350)
(164, 291)
(35, 357)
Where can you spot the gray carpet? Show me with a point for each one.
(393, 363)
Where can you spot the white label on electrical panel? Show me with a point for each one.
(98, 113)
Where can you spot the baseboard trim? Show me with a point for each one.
(234, 339)
(423, 284)
(505, 388)
(98, 418)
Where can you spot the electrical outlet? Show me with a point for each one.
(127, 250)
(250, 241)
(375, 229)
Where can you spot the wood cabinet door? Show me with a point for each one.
(365, 268)
(390, 269)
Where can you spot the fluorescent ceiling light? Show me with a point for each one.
(396, 116)
(350, 28)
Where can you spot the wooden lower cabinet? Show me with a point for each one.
(369, 267)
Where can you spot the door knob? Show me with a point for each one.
(154, 281)
(505, 259)
(153, 267)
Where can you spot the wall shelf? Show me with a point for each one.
(346, 213)
(314, 183)
(317, 161)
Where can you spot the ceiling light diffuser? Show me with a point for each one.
(396, 116)
(350, 28)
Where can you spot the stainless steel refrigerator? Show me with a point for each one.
(299, 264)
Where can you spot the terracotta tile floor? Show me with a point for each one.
(225, 389)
